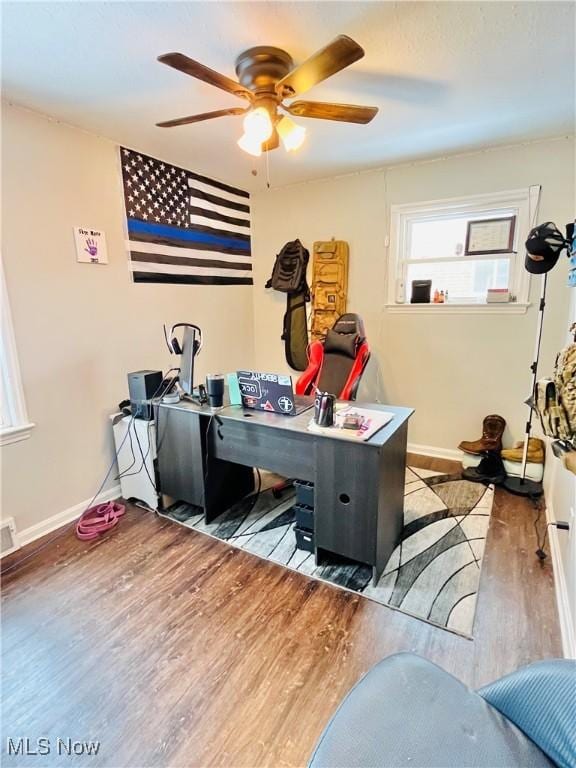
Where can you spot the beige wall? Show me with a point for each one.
(452, 369)
(80, 328)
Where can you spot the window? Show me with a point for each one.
(429, 242)
(14, 423)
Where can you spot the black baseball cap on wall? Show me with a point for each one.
(544, 245)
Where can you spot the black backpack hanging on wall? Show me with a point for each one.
(289, 277)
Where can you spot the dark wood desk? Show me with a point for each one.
(205, 458)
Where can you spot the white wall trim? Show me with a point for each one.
(561, 588)
(16, 424)
(66, 516)
(464, 204)
(15, 434)
(435, 452)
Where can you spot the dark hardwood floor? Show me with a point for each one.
(173, 649)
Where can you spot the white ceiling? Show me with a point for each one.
(447, 76)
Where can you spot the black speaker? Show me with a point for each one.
(421, 290)
(142, 387)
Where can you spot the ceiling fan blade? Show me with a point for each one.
(346, 113)
(195, 69)
(203, 116)
(337, 55)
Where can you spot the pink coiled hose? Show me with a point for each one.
(99, 519)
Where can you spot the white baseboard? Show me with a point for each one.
(437, 453)
(565, 616)
(62, 518)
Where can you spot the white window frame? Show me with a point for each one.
(18, 425)
(523, 201)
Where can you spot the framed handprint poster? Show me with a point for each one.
(90, 245)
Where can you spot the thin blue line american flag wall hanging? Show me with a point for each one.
(184, 227)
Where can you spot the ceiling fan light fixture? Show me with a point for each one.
(258, 125)
(250, 145)
(291, 134)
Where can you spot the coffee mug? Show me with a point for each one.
(215, 389)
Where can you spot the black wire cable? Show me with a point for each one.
(207, 446)
(254, 496)
(145, 456)
(125, 472)
(540, 540)
(133, 456)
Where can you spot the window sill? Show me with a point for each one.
(15, 434)
(512, 308)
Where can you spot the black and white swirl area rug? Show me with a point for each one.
(433, 574)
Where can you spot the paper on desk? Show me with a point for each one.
(373, 421)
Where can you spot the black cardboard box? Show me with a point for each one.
(304, 517)
(304, 540)
(304, 492)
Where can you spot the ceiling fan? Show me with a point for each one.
(266, 77)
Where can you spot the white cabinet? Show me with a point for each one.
(135, 441)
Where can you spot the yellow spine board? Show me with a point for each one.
(329, 285)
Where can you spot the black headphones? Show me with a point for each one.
(174, 345)
(125, 407)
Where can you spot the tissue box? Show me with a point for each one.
(497, 296)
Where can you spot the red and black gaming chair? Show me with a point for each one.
(336, 364)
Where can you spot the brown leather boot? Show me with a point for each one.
(491, 440)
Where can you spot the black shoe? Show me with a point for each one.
(490, 470)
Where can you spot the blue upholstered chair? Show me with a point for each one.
(407, 712)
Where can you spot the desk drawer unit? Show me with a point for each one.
(359, 498)
(247, 442)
